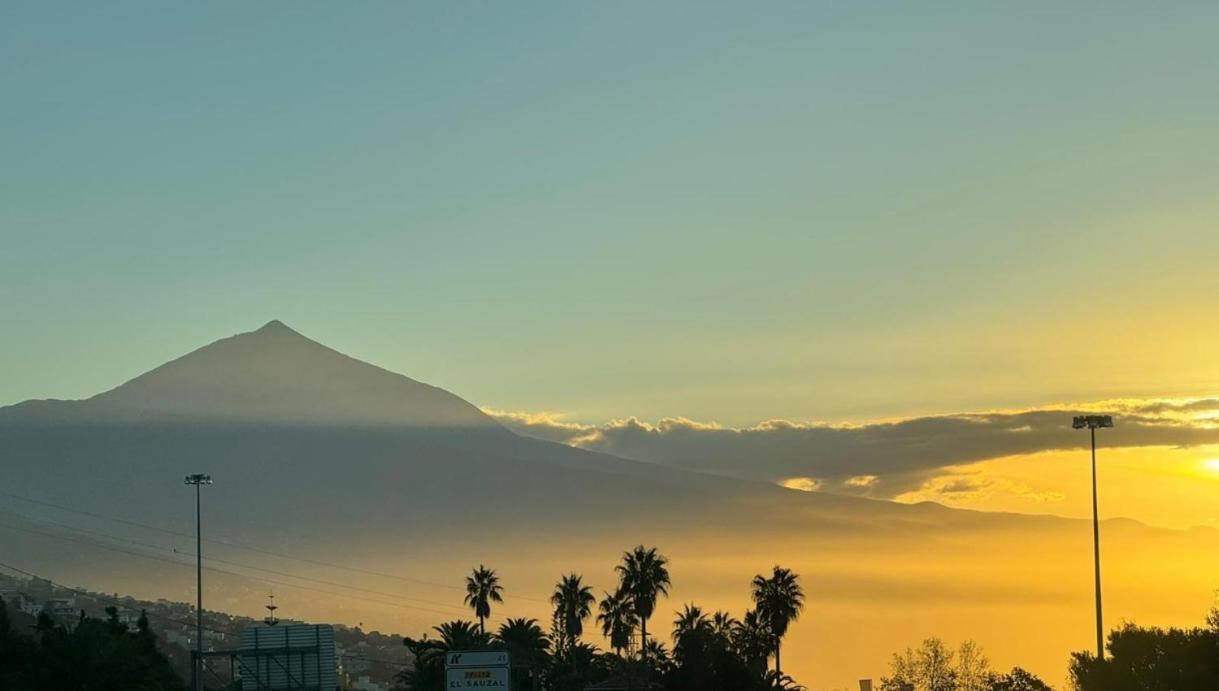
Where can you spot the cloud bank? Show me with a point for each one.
(881, 459)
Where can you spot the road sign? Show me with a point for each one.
(477, 669)
(477, 678)
(476, 658)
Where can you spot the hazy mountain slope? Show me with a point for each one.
(318, 455)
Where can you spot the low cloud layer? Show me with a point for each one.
(882, 459)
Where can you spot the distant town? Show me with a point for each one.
(364, 660)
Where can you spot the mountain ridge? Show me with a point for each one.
(271, 374)
(300, 468)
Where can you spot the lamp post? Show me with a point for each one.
(1091, 423)
(198, 480)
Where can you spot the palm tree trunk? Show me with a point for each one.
(647, 667)
(643, 641)
(778, 666)
(482, 625)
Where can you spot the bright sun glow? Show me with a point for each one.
(1211, 464)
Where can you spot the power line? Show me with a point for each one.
(454, 609)
(238, 545)
(228, 573)
(241, 565)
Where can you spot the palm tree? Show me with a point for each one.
(779, 600)
(523, 638)
(573, 603)
(528, 646)
(751, 640)
(427, 669)
(461, 635)
(618, 620)
(483, 588)
(644, 577)
(690, 622)
(577, 666)
(722, 625)
(782, 682)
(658, 654)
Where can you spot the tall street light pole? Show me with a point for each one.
(198, 480)
(1091, 423)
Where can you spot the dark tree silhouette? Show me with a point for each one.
(723, 624)
(96, 654)
(1152, 659)
(711, 651)
(528, 647)
(690, 624)
(578, 666)
(1018, 680)
(618, 620)
(751, 640)
(657, 656)
(644, 577)
(483, 588)
(573, 603)
(779, 600)
(460, 634)
(427, 671)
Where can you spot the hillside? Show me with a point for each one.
(384, 491)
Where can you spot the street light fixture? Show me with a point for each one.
(1092, 423)
(198, 480)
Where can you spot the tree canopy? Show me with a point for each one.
(93, 654)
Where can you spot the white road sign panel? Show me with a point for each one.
(477, 678)
(476, 658)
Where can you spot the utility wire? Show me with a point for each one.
(238, 545)
(213, 569)
(217, 560)
(454, 610)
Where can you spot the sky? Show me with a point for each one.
(879, 249)
(810, 212)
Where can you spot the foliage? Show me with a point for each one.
(1018, 680)
(1152, 659)
(618, 620)
(95, 654)
(529, 649)
(578, 666)
(643, 577)
(427, 670)
(711, 651)
(930, 668)
(936, 667)
(655, 656)
(751, 640)
(778, 680)
(778, 601)
(573, 603)
(704, 655)
(973, 669)
(483, 588)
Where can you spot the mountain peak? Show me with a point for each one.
(277, 375)
(276, 326)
